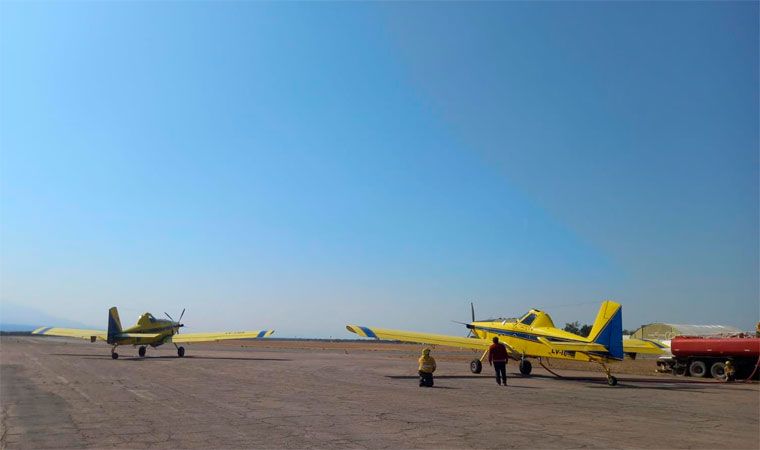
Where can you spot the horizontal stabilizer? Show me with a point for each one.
(138, 335)
(644, 346)
(573, 346)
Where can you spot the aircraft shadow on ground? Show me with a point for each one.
(600, 382)
(165, 357)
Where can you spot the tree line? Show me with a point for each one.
(583, 330)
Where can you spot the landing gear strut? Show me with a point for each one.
(141, 351)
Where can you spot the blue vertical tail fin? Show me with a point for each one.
(608, 328)
(114, 324)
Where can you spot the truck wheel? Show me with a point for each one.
(718, 371)
(698, 369)
(476, 366)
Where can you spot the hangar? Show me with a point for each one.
(667, 331)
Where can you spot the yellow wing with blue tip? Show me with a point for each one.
(71, 332)
(419, 338)
(185, 338)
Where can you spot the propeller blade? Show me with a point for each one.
(472, 310)
(182, 314)
(167, 315)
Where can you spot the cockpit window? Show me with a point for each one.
(528, 319)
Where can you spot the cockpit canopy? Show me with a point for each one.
(536, 318)
(146, 318)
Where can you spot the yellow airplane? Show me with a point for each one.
(535, 336)
(148, 331)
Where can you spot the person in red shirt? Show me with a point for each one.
(497, 357)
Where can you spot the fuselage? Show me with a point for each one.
(523, 335)
(147, 324)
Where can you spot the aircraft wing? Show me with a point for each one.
(71, 332)
(645, 346)
(419, 338)
(184, 338)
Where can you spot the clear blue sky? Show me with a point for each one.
(302, 166)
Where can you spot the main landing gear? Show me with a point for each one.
(525, 367)
(180, 351)
(141, 351)
(476, 365)
(114, 355)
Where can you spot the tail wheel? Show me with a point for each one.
(612, 381)
(525, 367)
(114, 355)
(718, 371)
(476, 366)
(141, 351)
(181, 351)
(698, 369)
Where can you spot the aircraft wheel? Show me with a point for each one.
(114, 355)
(612, 381)
(181, 351)
(525, 367)
(718, 371)
(476, 366)
(141, 351)
(698, 369)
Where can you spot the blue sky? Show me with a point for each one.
(303, 166)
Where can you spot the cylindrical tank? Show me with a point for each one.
(737, 347)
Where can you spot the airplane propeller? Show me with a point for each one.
(472, 314)
(179, 325)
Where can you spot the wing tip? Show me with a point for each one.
(40, 330)
(361, 331)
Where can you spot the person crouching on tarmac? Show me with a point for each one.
(497, 357)
(426, 368)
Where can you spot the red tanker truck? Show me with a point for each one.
(706, 356)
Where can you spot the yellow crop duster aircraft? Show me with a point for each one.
(148, 331)
(535, 336)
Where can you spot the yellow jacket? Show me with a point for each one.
(427, 363)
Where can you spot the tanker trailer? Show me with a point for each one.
(706, 356)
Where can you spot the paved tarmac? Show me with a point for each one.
(59, 393)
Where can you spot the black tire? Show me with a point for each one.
(612, 381)
(181, 352)
(698, 369)
(525, 367)
(141, 351)
(114, 355)
(476, 366)
(718, 371)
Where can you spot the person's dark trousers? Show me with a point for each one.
(501, 372)
(426, 379)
